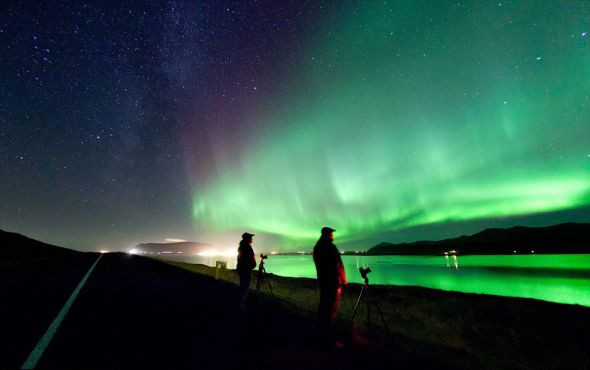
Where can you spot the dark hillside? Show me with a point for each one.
(556, 239)
(16, 247)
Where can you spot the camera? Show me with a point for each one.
(364, 271)
(263, 256)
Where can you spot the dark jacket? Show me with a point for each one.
(328, 264)
(246, 258)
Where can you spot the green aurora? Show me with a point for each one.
(414, 114)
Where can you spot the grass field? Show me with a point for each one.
(457, 329)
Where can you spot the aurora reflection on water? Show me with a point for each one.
(561, 278)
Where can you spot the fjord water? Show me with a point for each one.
(563, 278)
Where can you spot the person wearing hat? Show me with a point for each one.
(331, 278)
(246, 263)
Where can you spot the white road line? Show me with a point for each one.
(37, 352)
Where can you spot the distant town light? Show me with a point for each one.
(104, 251)
(133, 251)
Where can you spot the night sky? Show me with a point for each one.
(389, 120)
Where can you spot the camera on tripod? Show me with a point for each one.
(262, 275)
(369, 302)
(364, 271)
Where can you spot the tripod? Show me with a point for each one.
(365, 294)
(262, 276)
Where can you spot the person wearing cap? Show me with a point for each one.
(246, 263)
(331, 278)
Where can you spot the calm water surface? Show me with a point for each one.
(557, 278)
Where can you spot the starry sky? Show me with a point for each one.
(387, 120)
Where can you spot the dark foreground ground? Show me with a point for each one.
(135, 312)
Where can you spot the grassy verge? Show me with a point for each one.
(458, 329)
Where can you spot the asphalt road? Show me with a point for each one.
(134, 312)
(31, 295)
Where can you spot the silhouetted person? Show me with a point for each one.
(246, 263)
(331, 277)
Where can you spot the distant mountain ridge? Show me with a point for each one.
(568, 238)
(178, 247)
(16, 247)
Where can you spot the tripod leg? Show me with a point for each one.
(356, 306)
(257, 296)
(368, 302)
(258, 277)
(269, 286)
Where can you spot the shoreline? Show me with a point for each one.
(460, 329)
(562, 279)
